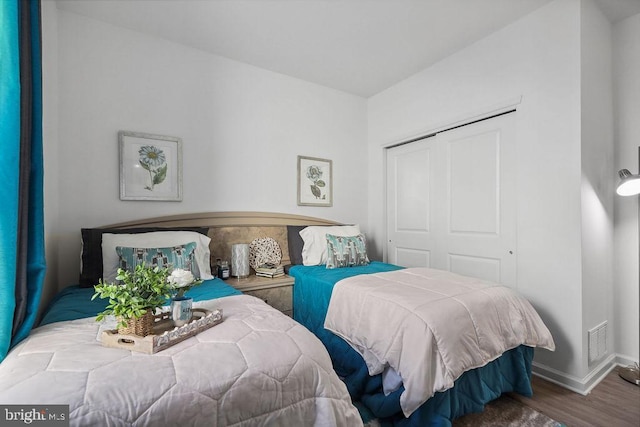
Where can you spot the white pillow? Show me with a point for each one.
(154, 239)
(314, 251)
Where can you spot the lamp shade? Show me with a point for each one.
(240, 260)
(629, 184)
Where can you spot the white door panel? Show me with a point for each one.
(474, 163)
(412, 257)
(409, 204)
(480, 267)
(413, 190)
(454, 196)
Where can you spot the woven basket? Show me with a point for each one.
(141, 326)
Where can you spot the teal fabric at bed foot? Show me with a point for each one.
(510, 373)
(75, 302)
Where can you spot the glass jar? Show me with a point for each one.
(223, 270)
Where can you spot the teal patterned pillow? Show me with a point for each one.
(180, 256)
(346, 251)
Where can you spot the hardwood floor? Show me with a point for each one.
(613, 402)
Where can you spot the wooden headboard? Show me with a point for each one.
(227, 228)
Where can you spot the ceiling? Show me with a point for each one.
(357, 46)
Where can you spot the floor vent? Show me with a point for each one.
(598, 342)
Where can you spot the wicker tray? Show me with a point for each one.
(164, 333)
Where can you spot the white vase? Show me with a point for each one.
(181, 310)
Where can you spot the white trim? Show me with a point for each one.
(579, 385)
(624, 360)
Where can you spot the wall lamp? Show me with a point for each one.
(629, 185)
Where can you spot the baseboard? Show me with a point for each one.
(579, 385)
(624, 360)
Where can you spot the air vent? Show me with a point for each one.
(597, 342)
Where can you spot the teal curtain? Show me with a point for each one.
(22, 261)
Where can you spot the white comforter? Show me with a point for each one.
(257, 367)
(430, 326)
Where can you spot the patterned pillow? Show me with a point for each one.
(180, 256)
(346, 251)
(91, 267)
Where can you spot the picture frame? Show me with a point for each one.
(150, 167)
(315, 181)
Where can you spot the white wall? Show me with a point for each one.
(242, 128)
(626, 66)
(238, 119)
(536, 58)
(598, 174)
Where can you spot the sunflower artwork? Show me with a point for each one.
(153, 160)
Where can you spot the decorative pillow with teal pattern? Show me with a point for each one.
(180, 256)
(346, 251)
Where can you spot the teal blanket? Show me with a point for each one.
(75, 302)
(475, 388)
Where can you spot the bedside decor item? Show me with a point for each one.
(240, 260)
(270, 270)
(181, 305)
(315, 183)
(223, 270)
(135, 298)
(264, 250)
(150, 167)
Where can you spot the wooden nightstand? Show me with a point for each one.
(277, 292)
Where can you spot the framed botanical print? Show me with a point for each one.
(150, 167)
(315, 182)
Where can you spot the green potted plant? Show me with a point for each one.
(134, 298)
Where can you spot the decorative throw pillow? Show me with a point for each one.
(346, 251)
(91, 257)
(314, 251)
(160, 239)
(180, 256)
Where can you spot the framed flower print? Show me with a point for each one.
(150, 167)
(315, 182)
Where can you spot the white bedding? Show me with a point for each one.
(257, 367)
(430, 326)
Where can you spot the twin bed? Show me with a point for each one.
(260, 367)
(380, 396)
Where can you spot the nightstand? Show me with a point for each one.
(277, 292)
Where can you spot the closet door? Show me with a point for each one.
(462, 216)
(410, 174)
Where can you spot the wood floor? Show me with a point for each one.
(613, 402)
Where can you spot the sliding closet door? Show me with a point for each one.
(451, 201)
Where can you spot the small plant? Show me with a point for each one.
(135, 293)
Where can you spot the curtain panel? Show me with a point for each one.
(22, 260)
